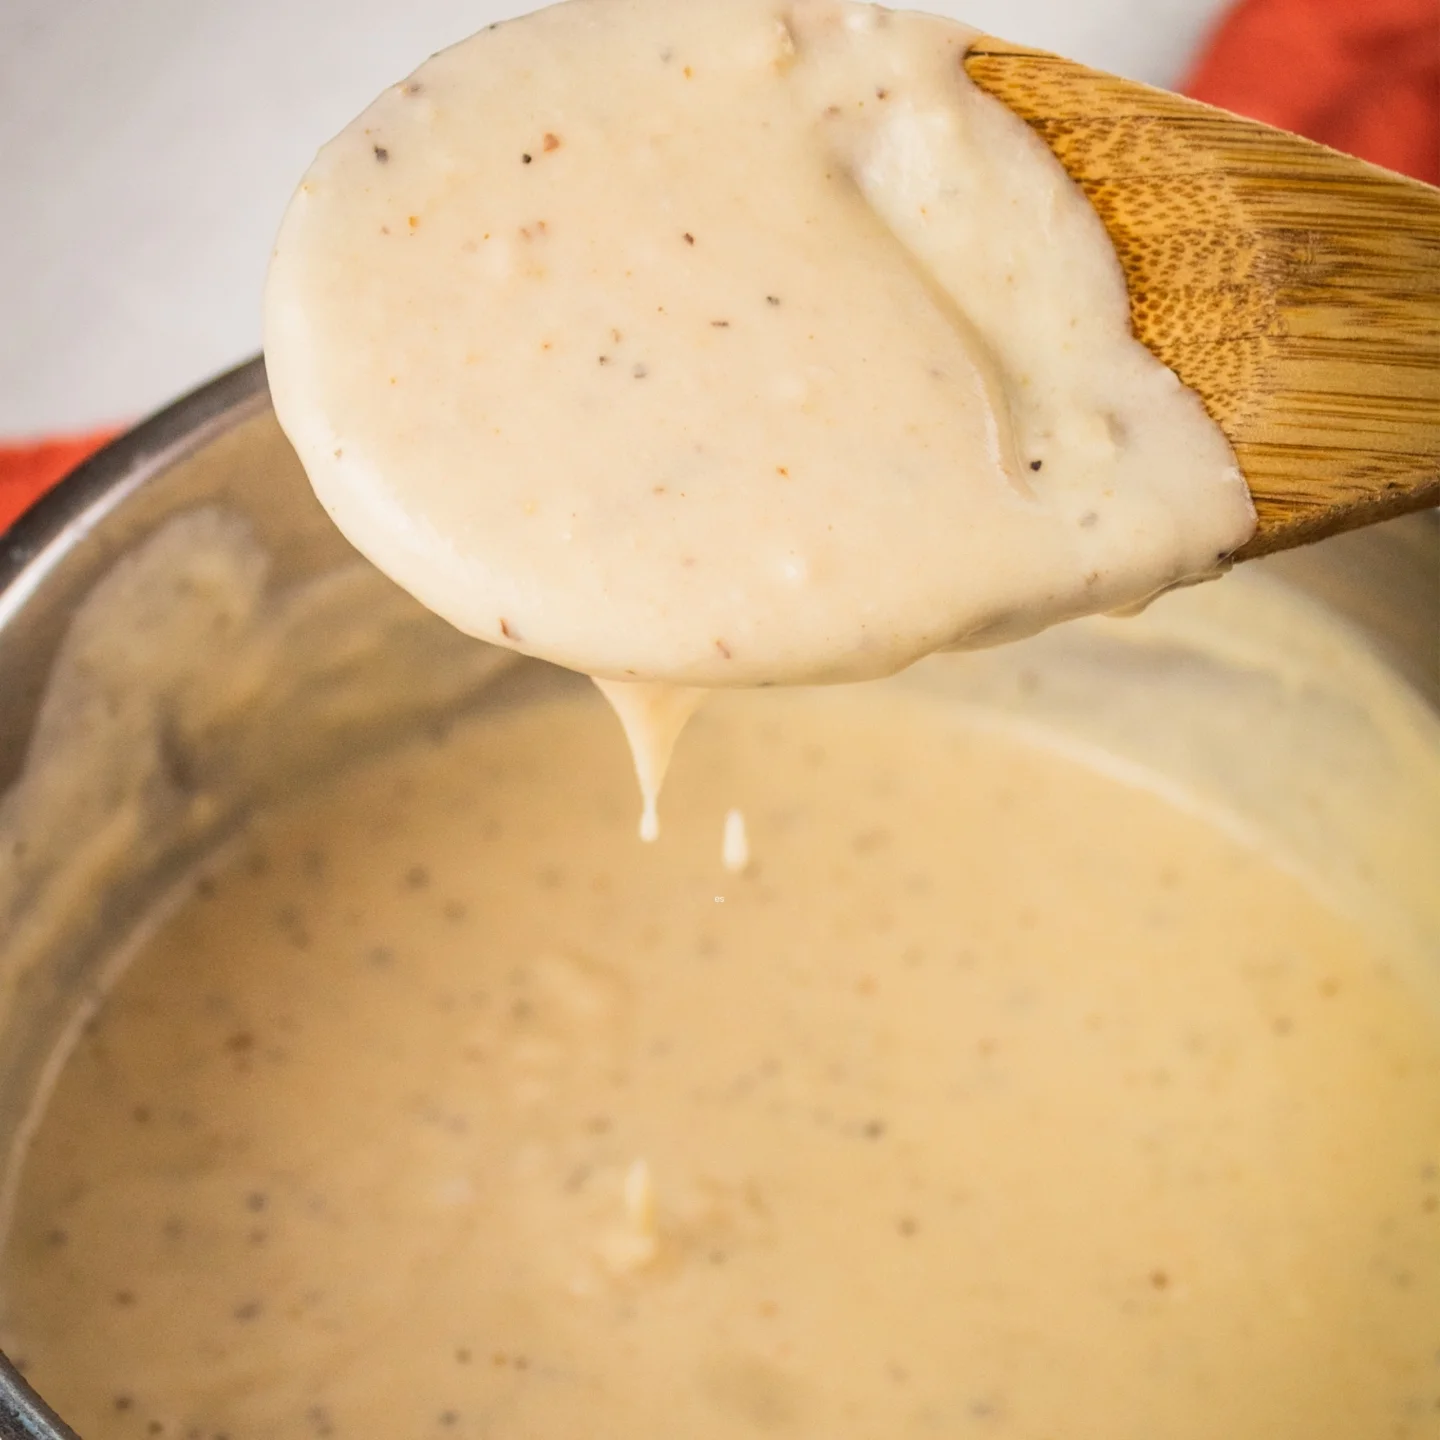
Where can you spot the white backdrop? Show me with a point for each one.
(147, 148)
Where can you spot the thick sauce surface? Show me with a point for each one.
(993, 1097)
(727, 344)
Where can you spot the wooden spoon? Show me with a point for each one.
(1296, 290)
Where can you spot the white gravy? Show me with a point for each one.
(730, 344)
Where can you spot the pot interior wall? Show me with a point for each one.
(220, 646)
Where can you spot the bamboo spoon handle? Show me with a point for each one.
(1295, 289)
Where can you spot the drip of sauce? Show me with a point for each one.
(735, 843)
(652, 716)
(726, 345)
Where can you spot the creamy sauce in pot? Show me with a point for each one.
(994, 1095)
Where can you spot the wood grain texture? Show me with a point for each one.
(1295, 289)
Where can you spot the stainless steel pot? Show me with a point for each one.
(201, 523)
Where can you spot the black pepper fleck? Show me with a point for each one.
(1036, 464)
(689, 238)
(527, 159)
(381, 153)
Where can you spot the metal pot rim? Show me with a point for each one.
(74, 507)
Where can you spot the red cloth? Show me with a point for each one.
(1361, 75)
(28, 471)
